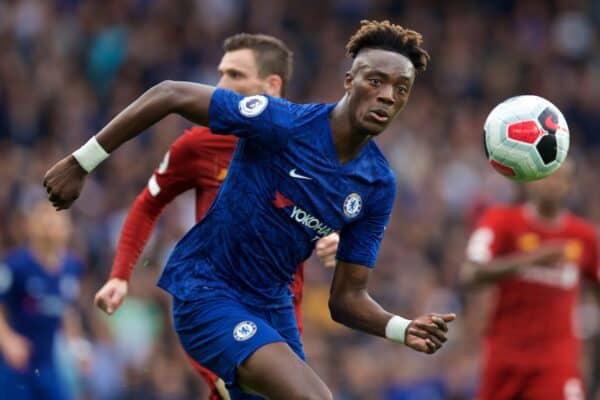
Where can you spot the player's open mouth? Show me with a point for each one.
(379, 116)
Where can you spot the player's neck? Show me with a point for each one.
(347, 141)
(547, 213)
(48, 254)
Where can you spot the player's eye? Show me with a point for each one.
(375, 82)
(402, 89)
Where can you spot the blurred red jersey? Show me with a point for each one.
(533, 321)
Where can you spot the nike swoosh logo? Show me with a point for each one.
(294, 174)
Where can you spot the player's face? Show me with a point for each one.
(239, 72)
(554, 189)
(378, 87)
(46, 225)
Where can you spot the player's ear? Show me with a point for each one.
(274, 84)
(348, 80)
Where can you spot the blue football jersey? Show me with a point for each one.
(35, 298)
(285, 190)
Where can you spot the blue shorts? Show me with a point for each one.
(220, 333)
(39, 382)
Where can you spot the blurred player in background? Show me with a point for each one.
(300, 172)
(535, 255)
(38, 283)
(252, 64)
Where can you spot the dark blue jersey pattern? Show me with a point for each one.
(285, 190)
(35, 298)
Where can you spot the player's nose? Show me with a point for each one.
(386, 95)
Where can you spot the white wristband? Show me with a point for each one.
(90, 154)
(395, 330)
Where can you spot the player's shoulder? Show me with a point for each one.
(74, 264)
(499, 212)
(304, 114)
(379, 165)
(582, 226)
(18, 259)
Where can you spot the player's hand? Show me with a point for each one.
(548, 254)
(16, 350)
(428, 333)
(110, 297)
(64, 181)
(327, 248)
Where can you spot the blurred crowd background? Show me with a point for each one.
(67, 66)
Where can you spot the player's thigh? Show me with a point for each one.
(276, 372)
(557, 382)
(285, 322)
(220, 334)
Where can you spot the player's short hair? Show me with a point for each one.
(273, 57)
(387, 36)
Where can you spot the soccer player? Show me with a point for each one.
(38, 283)
(299, 173)
(252, 64)
(534, 255)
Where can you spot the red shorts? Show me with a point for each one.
(503, 381)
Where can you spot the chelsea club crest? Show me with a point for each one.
(352, 205)
(244, 331)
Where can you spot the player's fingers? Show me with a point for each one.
(437, 342)
(440, 323)
(419, 345)
(331, 247)
(432, 329)
(321, 245)
(432, 346)
(426, 336)
(102, 304)
(418, 333)
(448, 317)
(329, 261)
(99, 301)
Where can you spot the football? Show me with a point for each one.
(526, 138)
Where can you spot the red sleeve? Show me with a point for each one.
(489, 239)
(172, 177)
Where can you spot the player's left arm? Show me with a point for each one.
(351, 305)
(350, 302)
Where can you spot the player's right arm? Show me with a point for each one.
(64, 180)
(174, 176)
(255, 116)
(487, 258)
